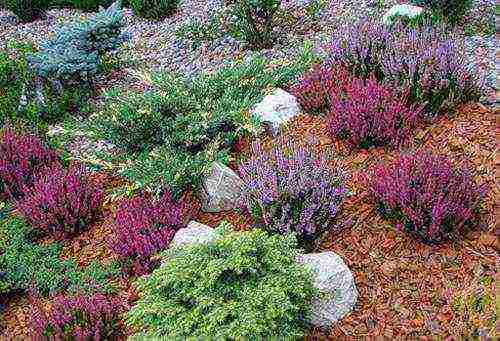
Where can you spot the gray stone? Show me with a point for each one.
(221, 190)
(194, 233)
(403, 10)
(276, 109)
(336, 282)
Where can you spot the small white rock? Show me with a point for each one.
(194, 233)
(336, 282)
(221, 189)
(403, 10)
(276, 109)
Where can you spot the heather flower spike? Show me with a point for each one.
(290, 188)
(426, 195)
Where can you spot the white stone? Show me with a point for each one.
(336, 282)
(403, 10)
(221, 190)
(276, 109)
(194, 233)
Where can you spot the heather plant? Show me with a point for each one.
(367, 114)
(94, 317)
(429, 66)
(426, 195)
(154, 9)
(73, 55)
(244, 285)
(62, 202)
(292, 189)
(142, 227)
(252, 21)
(315, 87)
(21, 157)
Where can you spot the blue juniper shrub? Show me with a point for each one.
(74, 53)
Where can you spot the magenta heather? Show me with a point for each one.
(367, 114)
(78, 318)
(143, 226)
(315, 87)
(426, 195)
(426, 64)
(61, 202)
(21, 156)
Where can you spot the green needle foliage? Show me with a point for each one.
(244, 285)
(26, 265)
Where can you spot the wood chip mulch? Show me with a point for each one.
(406, 289)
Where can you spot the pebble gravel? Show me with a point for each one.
(154, 44)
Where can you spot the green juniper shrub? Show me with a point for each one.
(171, 135)
(167, 167)
(197, 32)
(154, 9)
(252, 21)
(85, 5)
(451, 11)
(244, 285)
(25, 265)
(13, 77)
(131, 121)
(18, 104)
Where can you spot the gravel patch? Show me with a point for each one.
(154, 45)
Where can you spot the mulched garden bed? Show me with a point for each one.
(406, 289)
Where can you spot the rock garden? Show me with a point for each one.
(248, 169)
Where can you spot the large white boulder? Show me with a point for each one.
(276, 109)
(336, 282)
(194, 233)
(221, 189)
(403, 10)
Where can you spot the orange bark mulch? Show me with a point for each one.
(406, 289)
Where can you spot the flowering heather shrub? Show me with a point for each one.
(314, 89)
(368, 114)
(426, 195)
(62, 202)
(81, 317)
(21, 156)
(142, 227)
(292, 189)
(427, 63)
